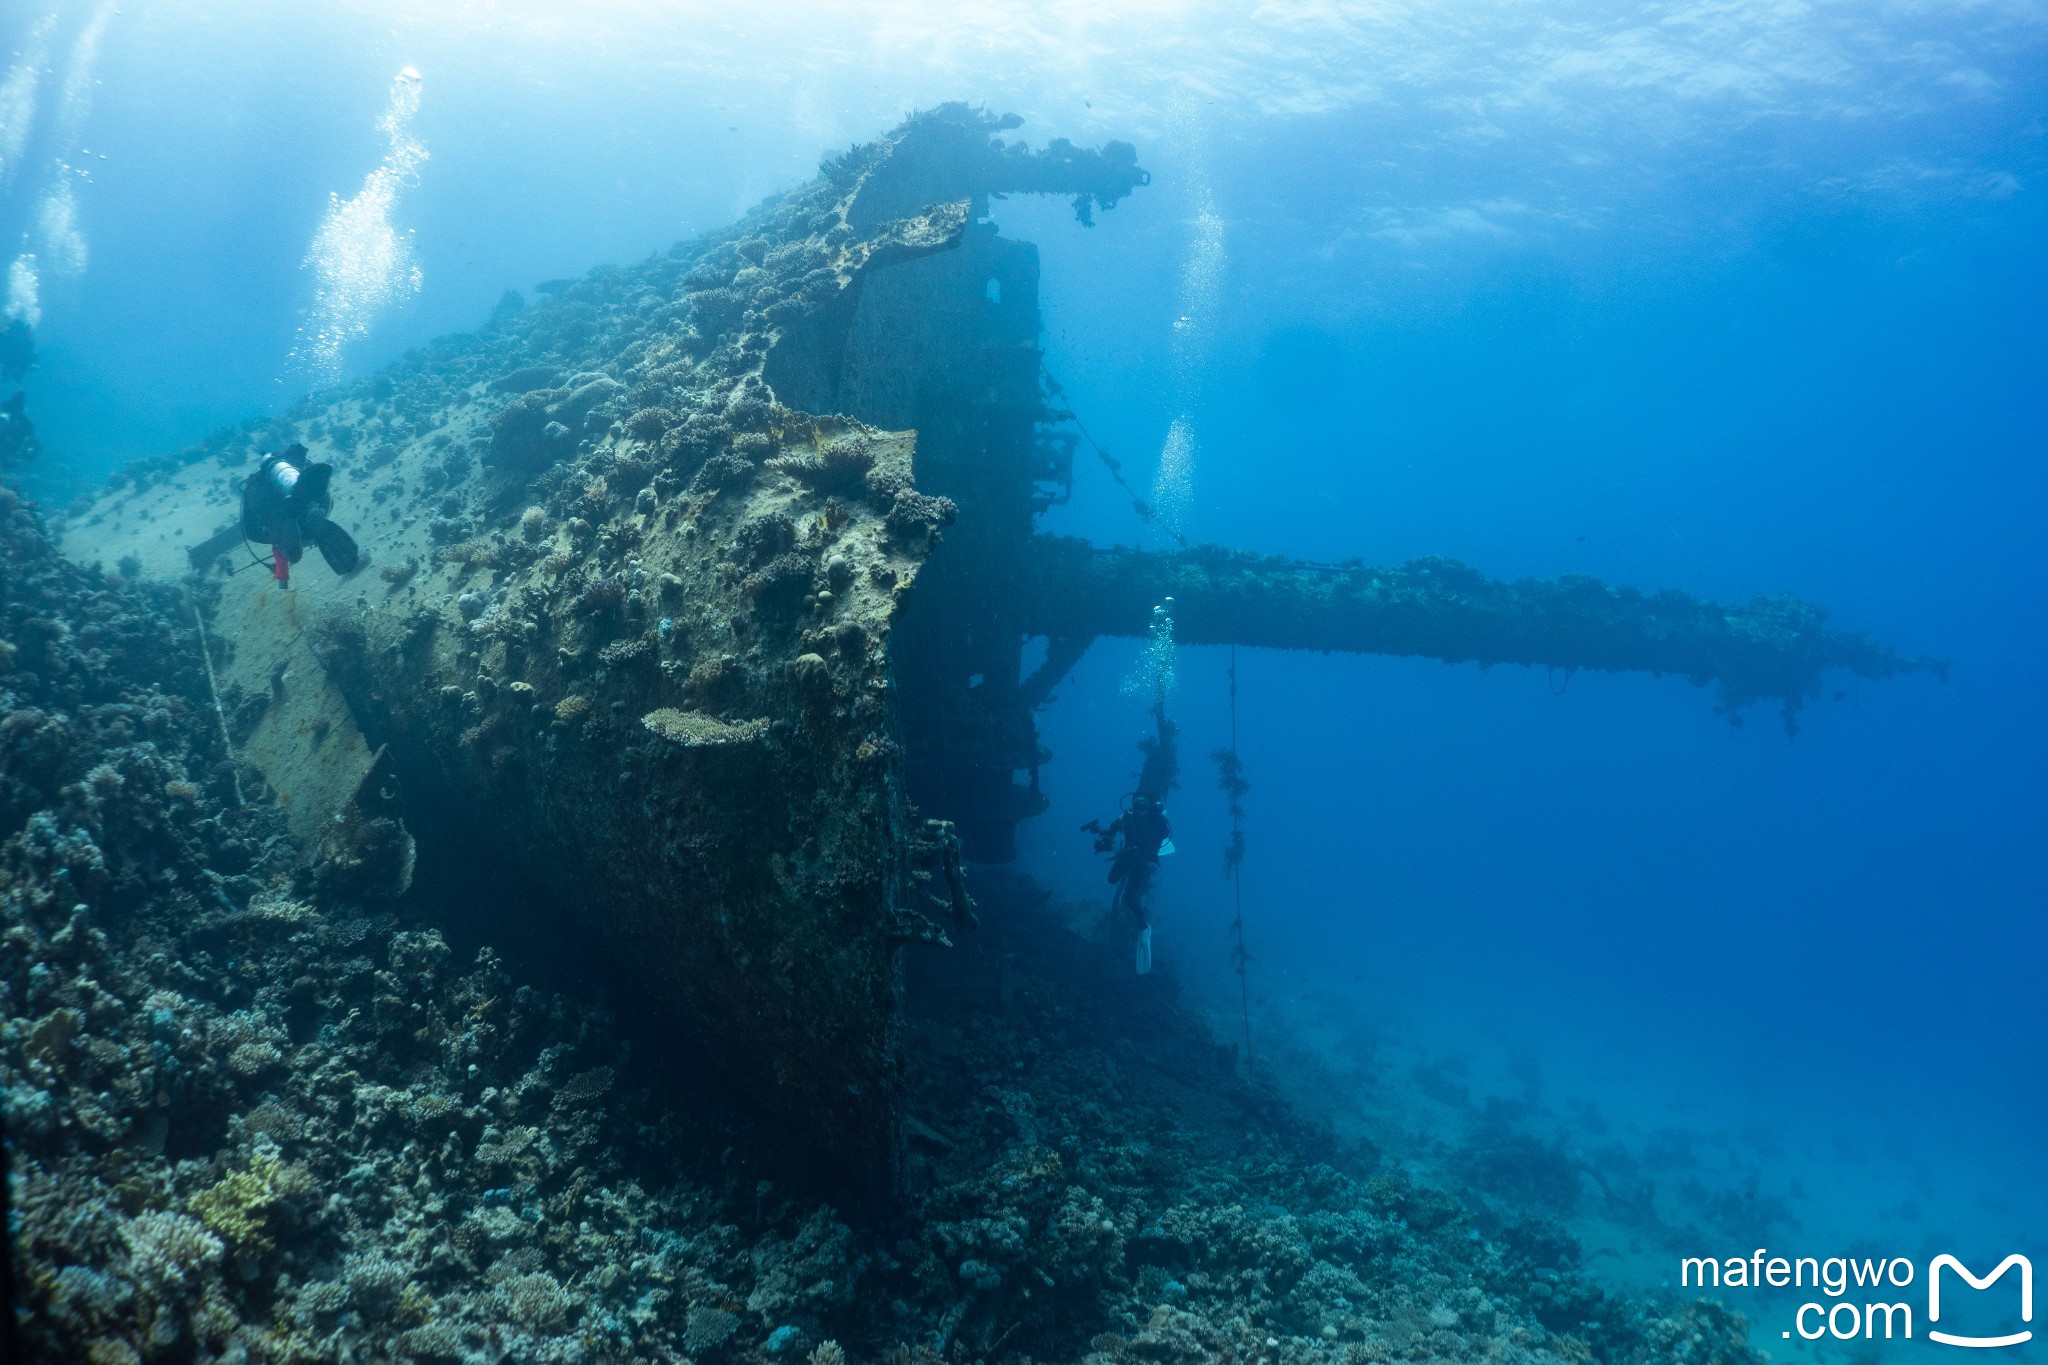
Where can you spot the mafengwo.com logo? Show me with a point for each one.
(1872, 1298)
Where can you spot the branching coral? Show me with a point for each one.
(694, 729)
(839, 467)
(242, 1208)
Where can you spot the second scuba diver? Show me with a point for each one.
(1137, 840)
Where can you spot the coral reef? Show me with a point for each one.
(250, 1117)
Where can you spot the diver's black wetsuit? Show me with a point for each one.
(17, 349)
(1134, 838)
(17, 433)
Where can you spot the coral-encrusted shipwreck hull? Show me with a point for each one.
(698, 594)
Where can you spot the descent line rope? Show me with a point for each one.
(213, 685)
(1110, 462)
(1231, 779)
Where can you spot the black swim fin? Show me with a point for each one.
(205, 553)
(337, 547)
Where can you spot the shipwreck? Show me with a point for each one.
(699, 592)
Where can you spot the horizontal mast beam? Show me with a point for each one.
(1773, 647)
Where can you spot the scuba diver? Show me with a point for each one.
(17, 433)
(17, 358)
(1136, 841)
(1139, 837)
(285, 505)
(17, 349)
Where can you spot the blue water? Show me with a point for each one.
(1735, 299)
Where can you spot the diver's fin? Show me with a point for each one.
(1166, 848)
(203, 554)
(1145, 951)
(337, 547)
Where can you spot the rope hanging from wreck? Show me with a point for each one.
(1230, 777)
(1115, 466)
